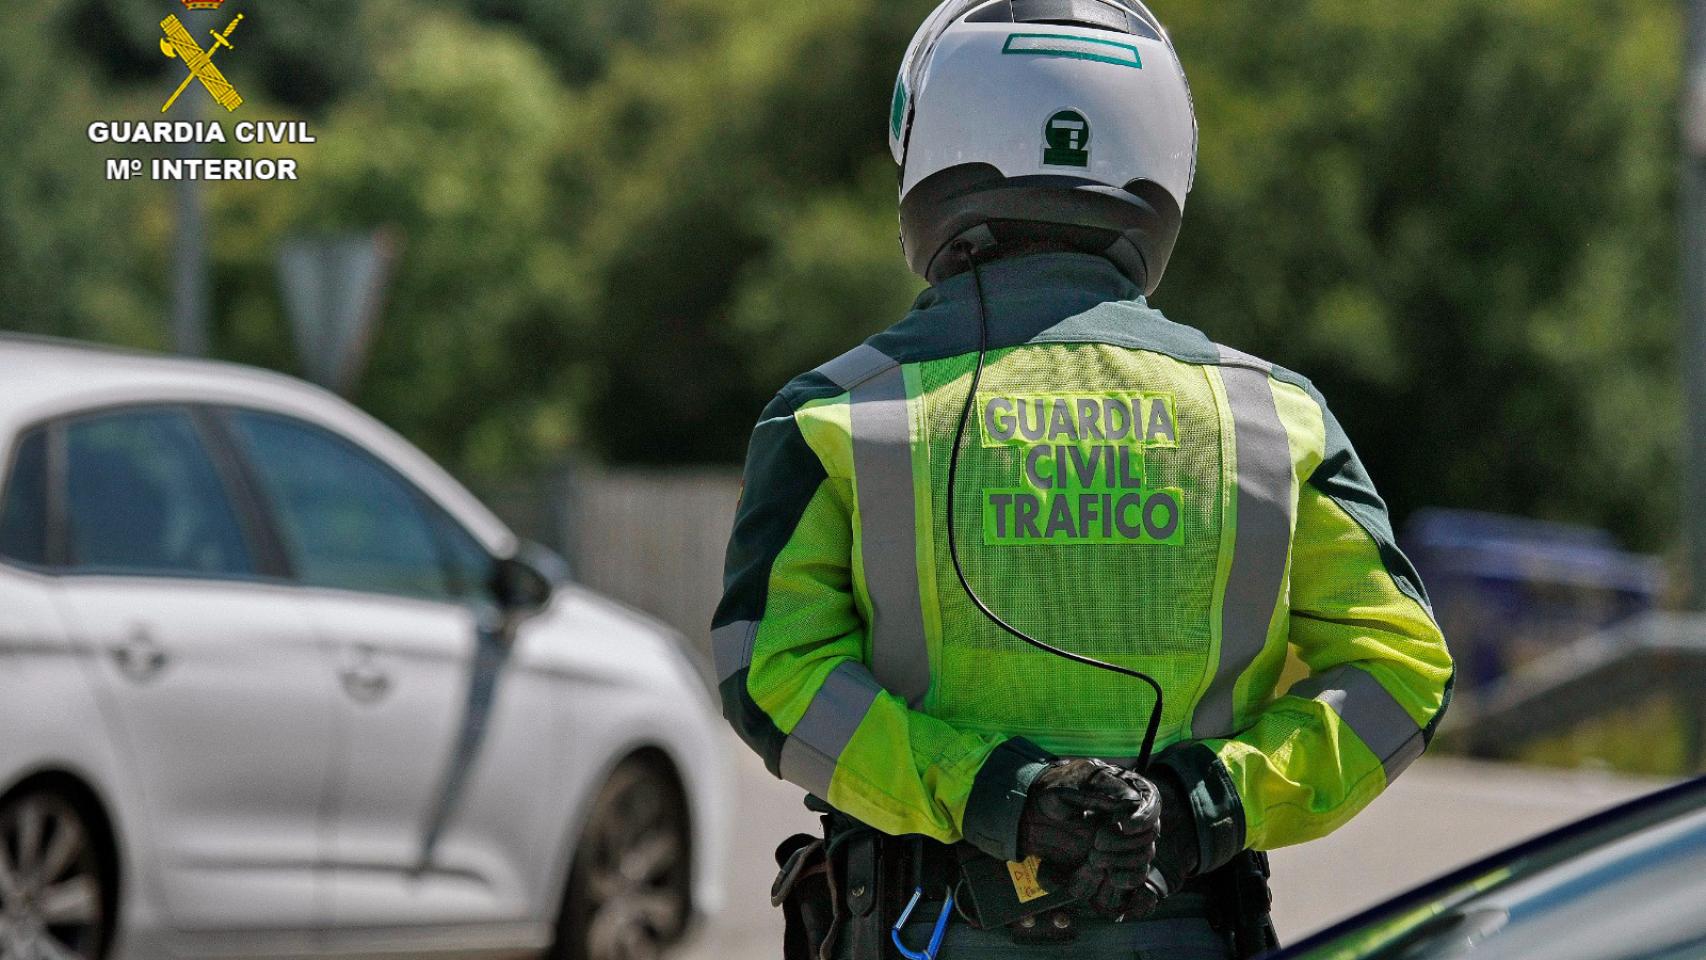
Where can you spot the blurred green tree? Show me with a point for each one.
(623, 225)
(452, 148)
(725, 177)
(64, 269)
(1458, 218)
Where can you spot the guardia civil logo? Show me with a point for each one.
(178, 43)
(1066, 139)
(200, 77)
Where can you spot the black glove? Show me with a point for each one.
(1094, 828)
(1174, 856)
(1114, 879)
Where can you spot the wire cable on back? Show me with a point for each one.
(1154, 726)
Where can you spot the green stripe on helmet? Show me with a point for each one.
(897, 110)
(1073, 48)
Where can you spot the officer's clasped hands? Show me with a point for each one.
(1094, 827)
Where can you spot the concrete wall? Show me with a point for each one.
(655, 540)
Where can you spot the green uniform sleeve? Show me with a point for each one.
(790, 646)
(1379, 683)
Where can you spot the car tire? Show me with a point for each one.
(629, 894)
(56, 889)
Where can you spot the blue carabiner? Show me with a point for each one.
(929, 953)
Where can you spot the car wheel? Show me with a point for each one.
(629, 892)
(53, 886)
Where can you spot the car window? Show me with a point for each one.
(23, 513)
(347, 520)
(143, 496)
(471, 567)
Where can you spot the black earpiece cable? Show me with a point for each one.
(953, 538)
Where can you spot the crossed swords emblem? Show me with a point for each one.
(178, 43)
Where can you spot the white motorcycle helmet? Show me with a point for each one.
(1064, 120)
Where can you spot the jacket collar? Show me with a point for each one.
(1025, 296)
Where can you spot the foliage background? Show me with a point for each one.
(625, 223)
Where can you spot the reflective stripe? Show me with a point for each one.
(810, 753)
(731, 647)
(1367, 707)
(882, 481)
(856, 366)
(1262, 540)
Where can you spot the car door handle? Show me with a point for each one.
(139, 657)
(366, 683)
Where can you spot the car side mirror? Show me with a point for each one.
(519, 587)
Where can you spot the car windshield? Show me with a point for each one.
(1620, 886)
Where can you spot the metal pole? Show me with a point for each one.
(1694, 302)
(190, 294)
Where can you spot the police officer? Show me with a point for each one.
(1035, 453)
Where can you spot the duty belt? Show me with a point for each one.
(984, 891)
(873, 883)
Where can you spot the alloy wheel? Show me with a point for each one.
(629, 895)
(51, 903)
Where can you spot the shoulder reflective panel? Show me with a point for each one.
(1262, 538)
(882, 481)
(1365, 706)
(856, 366)
(810, 753)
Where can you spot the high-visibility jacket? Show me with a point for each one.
(1127, 490)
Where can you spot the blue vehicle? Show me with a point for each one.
(1508, 590)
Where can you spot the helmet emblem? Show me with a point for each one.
(1067, 140)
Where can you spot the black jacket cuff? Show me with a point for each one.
(997, 801)
(1215, 806)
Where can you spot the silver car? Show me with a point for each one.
(273, 684)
